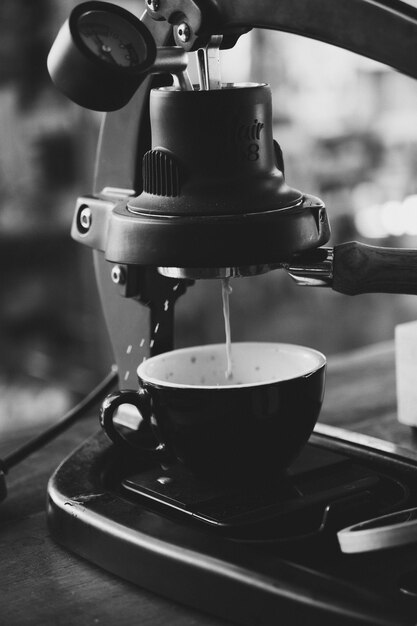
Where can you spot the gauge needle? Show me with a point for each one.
(105, 50)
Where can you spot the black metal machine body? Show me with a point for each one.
(189, 184)
(196, 167)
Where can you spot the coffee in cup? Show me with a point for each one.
(257, 420)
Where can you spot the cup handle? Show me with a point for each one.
(140, 399)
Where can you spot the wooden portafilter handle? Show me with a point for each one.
(353, 268)
(359, 268)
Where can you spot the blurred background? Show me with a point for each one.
(348, 129)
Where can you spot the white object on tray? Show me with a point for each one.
(406, 372)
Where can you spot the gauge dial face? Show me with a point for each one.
(112, 38)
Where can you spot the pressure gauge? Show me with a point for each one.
(113, 37)
(101, 55)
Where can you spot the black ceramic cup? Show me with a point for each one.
(257, 420)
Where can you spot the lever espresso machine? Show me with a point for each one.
(206, 196)
(190, 185)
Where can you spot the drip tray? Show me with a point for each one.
(249, 550)
(281, 508)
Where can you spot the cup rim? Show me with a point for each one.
(322, 361)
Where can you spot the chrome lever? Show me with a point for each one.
(208, 64)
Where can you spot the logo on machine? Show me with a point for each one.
(250, 132)
(247, 137)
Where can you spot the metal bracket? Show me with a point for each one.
(194, 22)
(312, 269)
(173, 60)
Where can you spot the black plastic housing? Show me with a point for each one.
(213, 154)
(213, 194)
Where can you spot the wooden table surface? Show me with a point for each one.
(43, 584)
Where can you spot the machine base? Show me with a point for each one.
(277, 559)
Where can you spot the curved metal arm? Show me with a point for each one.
(383, 30)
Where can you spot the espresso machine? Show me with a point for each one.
(189, 185)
